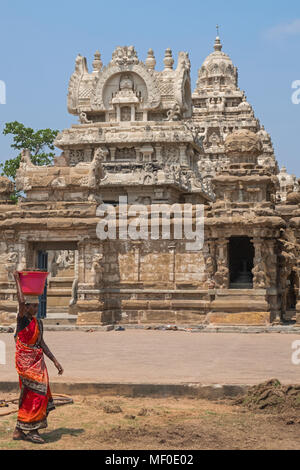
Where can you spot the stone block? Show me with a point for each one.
(89, 305)
(89, 318)
(189, 316)
(241, 318)
(7, 318)
(186, 304)
(135, 304)
(158, 316)
(159, 304)
(238, 305)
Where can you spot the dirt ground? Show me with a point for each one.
(121, 423)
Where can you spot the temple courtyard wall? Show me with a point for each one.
(116, 281)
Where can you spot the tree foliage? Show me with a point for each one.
(40, 144)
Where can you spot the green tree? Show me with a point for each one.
(40, 144)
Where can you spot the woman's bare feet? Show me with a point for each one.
(18, 435)
(34, 436)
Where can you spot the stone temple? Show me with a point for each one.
(145, 137)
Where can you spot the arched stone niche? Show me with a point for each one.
(109, 83)
(125, 84)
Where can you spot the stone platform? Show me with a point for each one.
(140, 358)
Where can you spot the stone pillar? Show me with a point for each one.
(298, 295)
(112, 153)
(182, 155)
(139, 156)
(132, 117)
(81, 261)
(12, 258)
(221, 277)
(172, 269)
(89, 306)
(118, 113)
(273, 289)
(259, 267)
(137, 259)
(210, 263)
(88, 155)
(76, 261)
(158, 149)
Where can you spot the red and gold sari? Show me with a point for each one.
(35, 397)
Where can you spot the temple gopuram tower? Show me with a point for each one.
(220, 108)
(244, 231)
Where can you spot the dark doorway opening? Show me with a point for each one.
(292, 291)
(42, 261)
(60, 259)
(241, 256)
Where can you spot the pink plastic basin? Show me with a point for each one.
(32, 282)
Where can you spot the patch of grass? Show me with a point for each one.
(276, 383)
(212, 413)
(9, 444)
(297, 400)
(170, 424)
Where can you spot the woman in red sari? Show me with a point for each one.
(35, 398)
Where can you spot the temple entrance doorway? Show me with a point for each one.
(42, 263)
(241, 256)
(61, 261)
(291, 297)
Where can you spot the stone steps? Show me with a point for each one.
(57, 309)
(59, 319)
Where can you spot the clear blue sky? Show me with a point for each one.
(39, 41)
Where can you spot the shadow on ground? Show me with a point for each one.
(57, 434)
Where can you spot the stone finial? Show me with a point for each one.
(150, 61)
(168, 60)
(97, 62)
(218, 45)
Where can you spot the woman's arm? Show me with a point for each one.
(20, 295)
(51, 356)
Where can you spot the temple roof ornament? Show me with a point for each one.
(168, 60)
(218, 45)
(263, 134)
(150, 61)
(97, 63)
(288, 184)
(217, 70)
(95, 93)
(125, 56)
(244, 106)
